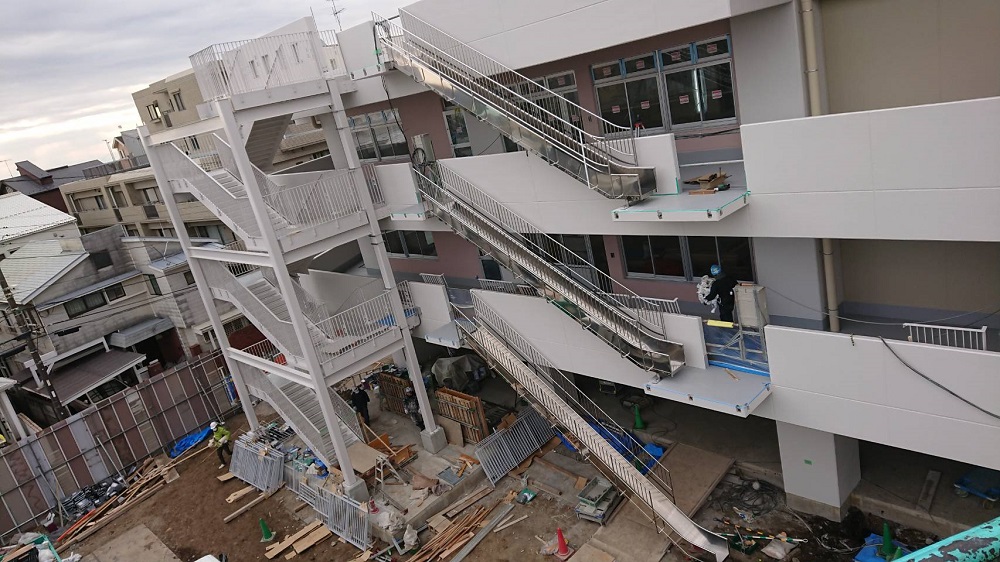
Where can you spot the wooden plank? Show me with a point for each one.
(545, 488)
(277, 548)
(462, 504)
(310, 540)
(452, 430)
(694, 473)
(928, 490)
(235, 496)
(558, 468)
(439, 523)
(225, 477)
(245, 508)
(510, 524)
(363, 457)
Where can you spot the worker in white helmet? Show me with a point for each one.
(220, 440)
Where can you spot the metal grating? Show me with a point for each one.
(344, 516)
(501, 452)
(257, 464)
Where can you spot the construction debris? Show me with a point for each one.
(277, 548)
(454, 537)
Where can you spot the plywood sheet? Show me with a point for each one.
(694, 473)
(363, 457)
(452, 430)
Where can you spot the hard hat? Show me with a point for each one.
(213, 425)
(715, 269)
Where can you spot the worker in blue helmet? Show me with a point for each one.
(722, 288)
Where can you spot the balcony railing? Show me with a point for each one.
(239, 67)
(374, 189)
(964, 338)
(118, 166)
(331, 197)
(360, 324)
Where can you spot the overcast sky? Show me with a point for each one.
(68, 68)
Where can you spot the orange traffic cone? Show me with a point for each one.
(564, 551)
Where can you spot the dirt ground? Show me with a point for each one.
(187, 516)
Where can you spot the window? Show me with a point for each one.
(93, 202)
(458, 132)
(114, 292)
(378, 136)
(131, 231)
(410, 243)
(683, 86)
(150, 195)
(189, 278)
(118, 197)
(101, 259)
(687, 257)
(214, 231)
(163, 231)
(563, 107)
(154, 285)
(84, 304)
(176, 100)
(153, 110)
(192, 143)
(319, 154)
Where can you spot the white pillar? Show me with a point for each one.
(353, 486)
(13, 421)
(162, 181)
(820, 469)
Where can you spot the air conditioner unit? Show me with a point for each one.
(751, 306)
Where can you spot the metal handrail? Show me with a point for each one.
(374, 187)
(552, 251)
(949, 336)
(360, 323)
(224, 69)
(497, 72)
(533, 358)
(588, 149)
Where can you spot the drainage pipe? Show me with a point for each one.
(816, 108)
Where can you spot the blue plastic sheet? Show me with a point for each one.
(188, 441)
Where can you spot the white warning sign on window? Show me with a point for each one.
(607, 71)
(712, 48)
(683, 99)
(616, 109)
(716, 94)
(644, 105)
(640, 64)
(675, 56)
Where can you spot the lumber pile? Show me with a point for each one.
(279, 547)
(140, 485)
(454, 537)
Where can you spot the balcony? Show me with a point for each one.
(123, 165)
(927, 172)
(919, 396)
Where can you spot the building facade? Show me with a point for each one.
(854, 188)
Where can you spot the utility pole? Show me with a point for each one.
(43, 372)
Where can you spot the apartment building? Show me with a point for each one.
(108, 309)
(542, 154)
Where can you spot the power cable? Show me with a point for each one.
(935, 383)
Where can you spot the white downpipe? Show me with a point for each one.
(816, 108)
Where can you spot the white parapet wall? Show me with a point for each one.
(855, 386)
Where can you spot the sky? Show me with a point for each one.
(68, 69)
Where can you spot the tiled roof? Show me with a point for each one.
(60, 175)
(40, 263)
(21, 215)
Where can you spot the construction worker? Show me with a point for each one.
(220, 439)
(412, 407)
(360, 399)
(722, 288)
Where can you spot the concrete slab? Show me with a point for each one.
(138, 543)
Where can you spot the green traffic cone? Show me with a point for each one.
(887, 547)
(266, 534)
(639, 424)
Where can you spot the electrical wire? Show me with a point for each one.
(937, 384)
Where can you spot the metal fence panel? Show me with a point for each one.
(257, 464)
(501, 452)
(344, 516)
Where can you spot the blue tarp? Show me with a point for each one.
(188, 441)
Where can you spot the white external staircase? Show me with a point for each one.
(494, 93)
(496, 340)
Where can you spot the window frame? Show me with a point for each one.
(153, 110)
(118, 290)
(177, 101)
(189, 278)
(153, 285)
(87, 302)
(365, 124)
(407, 254)
(700, 90)
(685, 248)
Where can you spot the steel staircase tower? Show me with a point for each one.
(604, 160)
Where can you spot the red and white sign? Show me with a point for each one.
(561, 81)
(607, 71)
(616, 109)
(640, 64)
(675, 56)
(644, 105)
(712, 48)
(716, 94)
(574, 118)
(683, 99)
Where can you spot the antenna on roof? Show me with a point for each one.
(336, 13)
(7, 162)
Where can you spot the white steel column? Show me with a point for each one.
(163, 182)
(432, 437)
(353, 486)
(820, 469)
